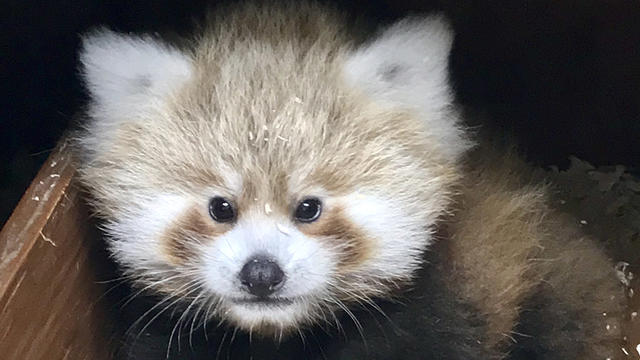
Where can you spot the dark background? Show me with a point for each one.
(561, 75)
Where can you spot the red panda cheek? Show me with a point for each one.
(181, 238)
(351, 243)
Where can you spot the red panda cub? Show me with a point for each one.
(311, 193)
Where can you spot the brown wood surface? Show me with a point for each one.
(51, 304)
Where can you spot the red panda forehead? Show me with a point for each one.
(334, 167)
(291, 117)
(316, 132)
(264, 192)
(234, 160)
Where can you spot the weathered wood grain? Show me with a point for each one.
(51, 304)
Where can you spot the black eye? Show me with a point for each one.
(308, 210)
(221, 210)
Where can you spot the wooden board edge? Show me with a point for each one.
(25, 224)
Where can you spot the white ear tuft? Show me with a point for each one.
(406, 66)
(123, 72)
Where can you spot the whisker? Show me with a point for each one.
(302, 338)
(193, 321)
(354, 319)
(151, 285)
(168, 298)
(179, 321)
(221, 344)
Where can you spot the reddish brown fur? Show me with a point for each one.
(509, 248)
(353, 244)
(181, 237)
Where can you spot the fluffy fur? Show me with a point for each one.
(271, 104)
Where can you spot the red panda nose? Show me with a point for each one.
(261, 276)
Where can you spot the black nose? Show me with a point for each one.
(262, 276)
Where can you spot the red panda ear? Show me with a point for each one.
(122, 73)
(406, 67)
(406, 64)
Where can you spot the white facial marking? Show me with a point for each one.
(399, 238)
(138, 231)
(304, 261)
(310, 263)
(283, 229)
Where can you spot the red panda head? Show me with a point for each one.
(268, 174)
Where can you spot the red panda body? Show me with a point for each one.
(278, 174)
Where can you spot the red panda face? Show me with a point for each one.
(270, 184)
(271, 253)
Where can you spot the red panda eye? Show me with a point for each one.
(221, 210)
(308, 210)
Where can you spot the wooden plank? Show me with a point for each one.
(51, 305)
